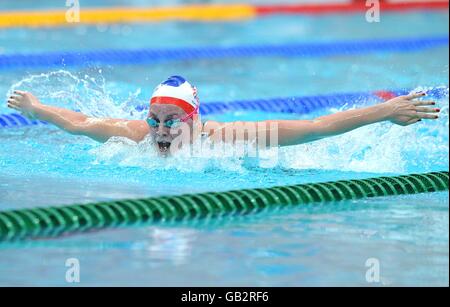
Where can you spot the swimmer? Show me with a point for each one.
(175, 102)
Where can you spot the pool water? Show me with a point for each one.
(310, 246)
(323, 244)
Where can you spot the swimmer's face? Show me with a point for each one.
(162, 135)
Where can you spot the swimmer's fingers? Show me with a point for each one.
(11, 106)
(414, 96)
(427, 116)
(21, 93)
(427, 110)
(423, 103)
(413, 121)
(13, 100)
(13, 97)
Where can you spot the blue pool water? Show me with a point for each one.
(312, 245)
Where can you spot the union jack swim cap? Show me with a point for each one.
(177, 91)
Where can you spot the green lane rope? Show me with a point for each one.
(55, 221)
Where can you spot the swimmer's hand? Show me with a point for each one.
(404, 110)
(24, 102)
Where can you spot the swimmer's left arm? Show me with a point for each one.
(402, 110)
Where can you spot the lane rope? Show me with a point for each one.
(56, 221)
(197, 12)
(150, 55)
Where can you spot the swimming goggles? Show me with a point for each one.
(170, 123)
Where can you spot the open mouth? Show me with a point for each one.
(164, 147)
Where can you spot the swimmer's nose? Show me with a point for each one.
(162, 131)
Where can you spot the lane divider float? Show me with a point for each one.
(200, 12)
(152, 55)
(56, 221)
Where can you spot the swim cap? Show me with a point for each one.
(177, 91)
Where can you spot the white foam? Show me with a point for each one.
(90, 95)
(376, 148)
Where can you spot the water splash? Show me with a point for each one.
(89, 94)
(124, 152)
(379, 148)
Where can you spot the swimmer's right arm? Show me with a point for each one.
(78, 123)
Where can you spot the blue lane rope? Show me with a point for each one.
(297, 105)
(16, 120)
(139, 56)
